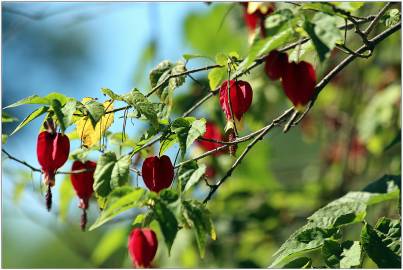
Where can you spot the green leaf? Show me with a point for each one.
(377, 248)
(68, 111)
(348, 6)
(120, 172)
(103, 173)
(95, 111)
(35, 99)
(35, 114)
(169, 196)
(195, 177)
(264, 46)
(167, 142)
(120, 200)
(324, 33)
(111, 94)
(346, 255)
(199, 217)
(216, 76)
(66, 196)
(189, 56)
(185, 172)
(7, 118)
(167, 222)
(157, 72)
(137, 100)
(111, 241)
(302, 262)
(188, 130)
(276, 21)
(325, 222)
(57, 108)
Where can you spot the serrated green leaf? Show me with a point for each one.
(7, 118)
(377, 249)
(111, 241)
(95, 111)
(324, 33)
(137, 100)
(103, 173)
(195, 177)
(111, 94)
(346, 255)
(302, 262)
(325, 222)
(185, 172)
(278, 20)
(188, 129)
(167, 221)
(35, 99)
(200, 220)
(157, 72)
(120, 200)
(38, 112)
(68, 111)
(120, 172)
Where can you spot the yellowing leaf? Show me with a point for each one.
(90, 136)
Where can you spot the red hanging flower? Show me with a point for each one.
(157, 173)
(212, 132)
(255, 15)
(143, 245)
(299, 82)
(83, 182)
(241, 98)
(52, 150)
(276, 64)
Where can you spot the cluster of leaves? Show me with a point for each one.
(324, 232)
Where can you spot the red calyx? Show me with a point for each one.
(276, 64)
(142, 247)
(157, 173)
(213, 132)
(299, 82)
(241, 98)
(83, 182)
(52, 150)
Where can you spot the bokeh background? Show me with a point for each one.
(78, 48)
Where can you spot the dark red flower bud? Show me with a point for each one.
(83, 182)
(241, 98)
(213, 132)
(157, 173)
(276, 64)
(52, 151)
(299, 82)
(142, 247)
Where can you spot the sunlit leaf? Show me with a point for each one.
(35, 114)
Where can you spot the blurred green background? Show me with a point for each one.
(77, 48)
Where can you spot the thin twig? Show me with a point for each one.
(376, 19)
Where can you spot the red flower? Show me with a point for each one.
(142, 247)
(299, 82)
(255, 15)
(212, 132)
(241, 98)
(83, 182)
(276, 64)
(157, 173)
(52, 151)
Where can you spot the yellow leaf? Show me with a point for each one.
(90, 136)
